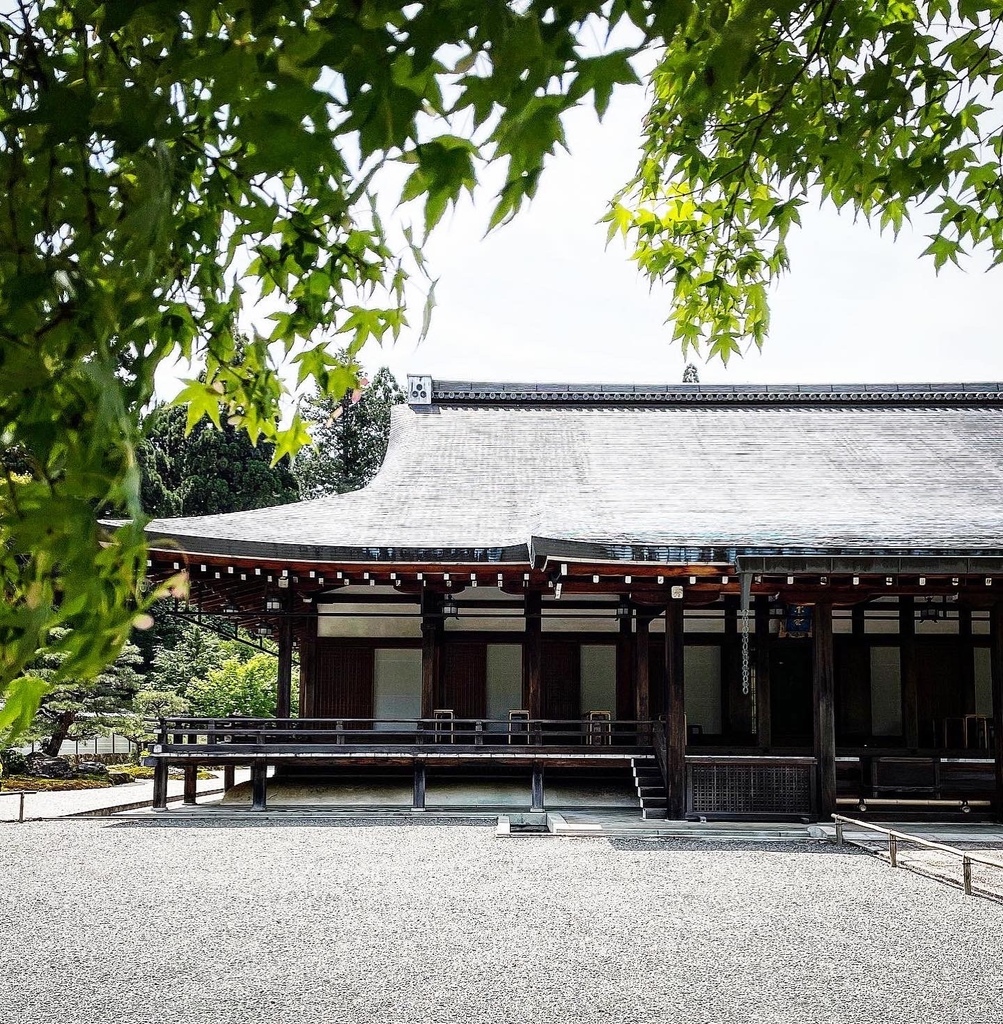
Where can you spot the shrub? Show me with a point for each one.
(13, 762)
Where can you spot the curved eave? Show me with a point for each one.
(216, 547)
(547, 551)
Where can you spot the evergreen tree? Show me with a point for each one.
(73, 707)
(209, 470)
(349, 438)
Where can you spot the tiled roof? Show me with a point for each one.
(508, 479)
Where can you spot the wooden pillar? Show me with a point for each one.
(418, 800)
(160, 784)
(626, 707)
(431, 640)
(966, 651)
(191, 784)
(642, 666)
(259, 786)
(532, 647)
(675, 713)
(823, 694)
(537, 788)
(227, 778)
(283, 700)
(996, 655)
(764, 716)
(907, 654)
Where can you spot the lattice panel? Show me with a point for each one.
(748, 789)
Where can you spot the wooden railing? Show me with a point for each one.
(468, 732)
(895, 838)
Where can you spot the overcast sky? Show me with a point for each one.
(544, 299)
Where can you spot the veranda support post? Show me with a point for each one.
(675, 713)
(259, 786)
(532, 651)
(642, 668)
(160, 784)
(418, 797)
(537, 803)
(764, 715)
(996, 639)
(823, 693)
(431, 641)
(283, 701)
(907, 649)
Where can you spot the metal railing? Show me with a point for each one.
(894, 838)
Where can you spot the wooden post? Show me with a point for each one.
(967, 651)
(431, 638)
(259, 786)
(160, 784)
(532, 646)
(418, 800)
(626, 707)
(642, 667)
(227, 777)
(996, 655)
(907, 654)
(675, 713)
(537, 788)
(283, 701)
(764, 715)
(191, 784)
(823, 693)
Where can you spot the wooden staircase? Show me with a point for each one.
(650, 789)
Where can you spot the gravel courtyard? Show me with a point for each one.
(194, 923)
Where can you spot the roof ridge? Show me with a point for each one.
(424, 391)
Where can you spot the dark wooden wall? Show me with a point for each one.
(464, 678)
(342, 683)
(561, 679)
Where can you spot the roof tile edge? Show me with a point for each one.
(425, 391)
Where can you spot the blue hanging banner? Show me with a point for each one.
(797, 621)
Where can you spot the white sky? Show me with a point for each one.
(543, 299)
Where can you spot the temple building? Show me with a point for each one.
(755, 601)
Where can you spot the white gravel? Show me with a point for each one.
(216, 922)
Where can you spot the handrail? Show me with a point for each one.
(661, 753)
(189, 731)
(895, 837)
(22, 793)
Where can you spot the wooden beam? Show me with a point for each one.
(675, 713)
(996, 655)
(823, 692)
(907, 653)
(764, 716)
(532, 647)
